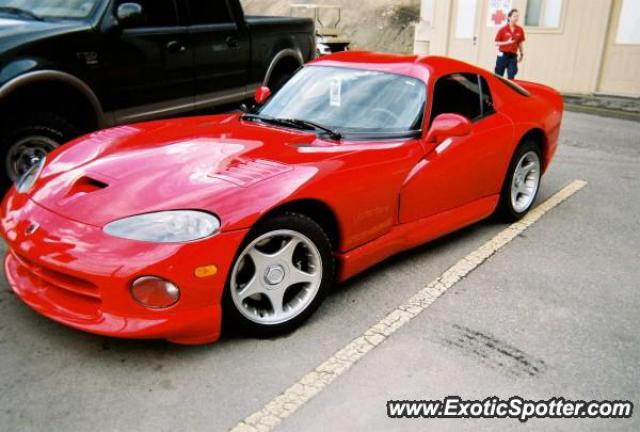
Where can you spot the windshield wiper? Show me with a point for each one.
(22, 12)
(296, 123)
(333, 133)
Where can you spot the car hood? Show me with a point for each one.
(190, 163)
(15, 31)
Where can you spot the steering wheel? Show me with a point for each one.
(390, 114)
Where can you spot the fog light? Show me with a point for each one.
(154, 292)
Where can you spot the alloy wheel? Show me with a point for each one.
(276, 277)
(525, 181)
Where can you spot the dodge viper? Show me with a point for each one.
(166, 229)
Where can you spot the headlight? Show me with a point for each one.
(177, 226)
(28, 179)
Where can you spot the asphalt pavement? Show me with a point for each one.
(563, 296)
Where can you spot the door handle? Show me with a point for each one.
(232, 41)
(176, 46)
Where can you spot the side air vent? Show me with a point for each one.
(245, 173)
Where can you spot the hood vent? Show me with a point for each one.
(85, 185)
(245, 173)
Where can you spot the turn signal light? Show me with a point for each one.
(154, 292)
(206, 271)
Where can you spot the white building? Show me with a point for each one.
(576, 46)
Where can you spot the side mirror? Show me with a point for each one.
(448, 125)
(262, 94)
(128, 13)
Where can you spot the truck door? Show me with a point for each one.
(148, 69)
(221, 49)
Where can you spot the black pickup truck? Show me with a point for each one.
(68, 67)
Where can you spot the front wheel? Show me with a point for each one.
(280, 276)
(522, 183)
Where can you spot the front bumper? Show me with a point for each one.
(75, 274)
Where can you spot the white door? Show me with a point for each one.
(622, 57)
(465, 28)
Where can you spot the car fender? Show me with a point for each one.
(363, 203)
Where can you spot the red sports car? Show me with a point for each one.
(162, 229)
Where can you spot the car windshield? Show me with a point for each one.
(38, 9)
(351, 100)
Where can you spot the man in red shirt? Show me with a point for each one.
(509, 41)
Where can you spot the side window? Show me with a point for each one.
(487, 99)
(457, 94)
(155, 13)
(209, 12)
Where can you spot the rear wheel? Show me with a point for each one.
(280, 276)
(522, 183)
(28, 138)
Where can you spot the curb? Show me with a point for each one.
(604, 112)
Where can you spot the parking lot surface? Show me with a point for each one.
(553, 313)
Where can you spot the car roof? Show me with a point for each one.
(420, 67)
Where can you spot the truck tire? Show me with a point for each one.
(279, 81)
(27, 138)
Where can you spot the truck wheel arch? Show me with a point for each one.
(285, 55)
(42, 76)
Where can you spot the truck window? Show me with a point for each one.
(155, 13)
(209, 12)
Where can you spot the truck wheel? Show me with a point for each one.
(27, 139)
(279, 81)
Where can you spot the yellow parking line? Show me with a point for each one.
(289, 401)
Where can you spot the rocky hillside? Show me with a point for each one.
(376, 25)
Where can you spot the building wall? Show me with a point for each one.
(374, 25)
(579, 56)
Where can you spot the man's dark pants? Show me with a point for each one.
(508, 61)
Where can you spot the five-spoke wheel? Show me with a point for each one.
(276, 277)
(525, 181)
(522, 182)
(280, 275)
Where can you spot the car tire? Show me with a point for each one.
(269, 265)
(34, 134)
(522, 182)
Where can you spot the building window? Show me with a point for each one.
(543, 13)
(629, 23)
(466, 19)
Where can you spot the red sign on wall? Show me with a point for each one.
(497, 13)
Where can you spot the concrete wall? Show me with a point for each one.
(375, 25)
